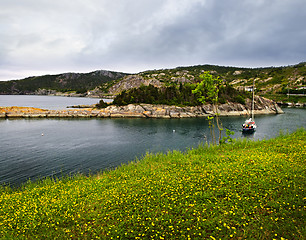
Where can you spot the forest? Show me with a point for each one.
(179, 95)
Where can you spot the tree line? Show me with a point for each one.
(179, 95)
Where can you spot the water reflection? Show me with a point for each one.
(89, 145)
(46, 102)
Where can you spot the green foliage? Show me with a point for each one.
(80, 82)
(208, 89)
(278, 74)
(81, 91)
(180, 95)
(171, 95)
(228, 93)
(284, 98)
(101, 104)
(239, 99)
(228, 137)
(212, 90)
(244, 190)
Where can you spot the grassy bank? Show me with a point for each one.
(247, 190)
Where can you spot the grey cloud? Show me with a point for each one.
(135, 35)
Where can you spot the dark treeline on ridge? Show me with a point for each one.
(180, 95)
(79, 82)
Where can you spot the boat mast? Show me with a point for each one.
(253, 91)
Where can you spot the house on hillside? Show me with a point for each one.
(248, 88)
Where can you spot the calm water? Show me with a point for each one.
(89, 145)
(46, 102)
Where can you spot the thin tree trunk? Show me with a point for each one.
(219, 123)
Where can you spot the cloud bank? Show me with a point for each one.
(54, 36)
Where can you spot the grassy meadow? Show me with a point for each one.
(244, 190)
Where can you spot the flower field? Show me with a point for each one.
(244, 190)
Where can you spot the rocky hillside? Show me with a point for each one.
(273, 80)
(66, 82)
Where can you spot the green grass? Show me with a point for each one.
(245, 190)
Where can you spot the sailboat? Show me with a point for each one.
(249, 125)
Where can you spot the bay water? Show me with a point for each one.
(45, 102)
(38, 148)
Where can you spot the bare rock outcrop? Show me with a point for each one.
(133, 81)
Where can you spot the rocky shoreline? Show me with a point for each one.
(290, 104)
(262, 106)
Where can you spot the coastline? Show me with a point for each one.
(262, 106)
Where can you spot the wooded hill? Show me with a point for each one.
(66, 82)
(273, 82)
(268, 80)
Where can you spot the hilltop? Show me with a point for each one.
(78, 83)
(272, 82)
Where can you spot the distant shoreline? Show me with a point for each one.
(58, 94)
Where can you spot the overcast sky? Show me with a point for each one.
(55, 36)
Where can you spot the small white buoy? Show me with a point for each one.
(42, 134)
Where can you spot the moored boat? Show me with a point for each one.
(249, 125)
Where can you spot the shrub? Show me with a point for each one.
(239, 99)
(101, 104)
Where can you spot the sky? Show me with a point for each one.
(39, 37)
